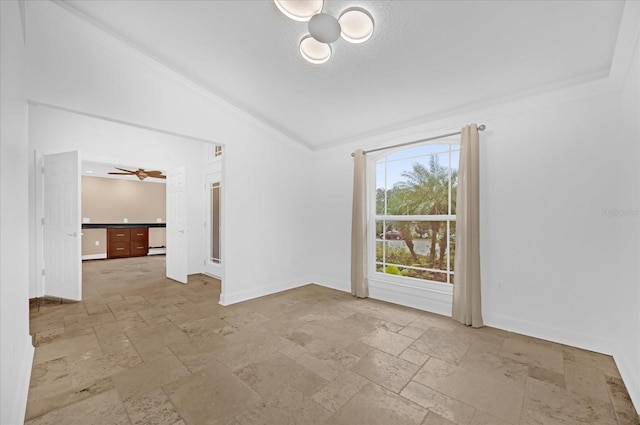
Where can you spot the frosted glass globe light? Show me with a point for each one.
(299, 10)
(324, 28)
(314, 51)
(356, 24)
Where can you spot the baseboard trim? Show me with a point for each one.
(15, 412)
(550, 333)
(228, 299)
(27, 364)
(631, 380)
(102, 256)
(332, 284)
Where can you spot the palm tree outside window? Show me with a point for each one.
(415, 212)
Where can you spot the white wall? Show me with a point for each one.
(52, 131)
(75, 66)
(548, 176)
(568, 272)
(625, 284)
(16, 349)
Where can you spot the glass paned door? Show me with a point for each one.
(215, 222)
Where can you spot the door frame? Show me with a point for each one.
(211, 268)
(214, 171)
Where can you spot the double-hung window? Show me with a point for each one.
(415, 213)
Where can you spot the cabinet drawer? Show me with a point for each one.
(119, 249)
(139, 234)
(138, 248)
(118, 235)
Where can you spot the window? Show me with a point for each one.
(213, 153)
(415, 221)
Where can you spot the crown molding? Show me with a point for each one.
(588, 85)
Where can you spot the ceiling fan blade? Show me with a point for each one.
(141, 173)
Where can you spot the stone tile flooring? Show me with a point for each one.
(141, 349)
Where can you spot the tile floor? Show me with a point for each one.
(141, 349)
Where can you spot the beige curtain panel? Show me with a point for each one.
(359, 284)
(467, 304)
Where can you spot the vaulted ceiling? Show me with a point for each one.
(425, 59)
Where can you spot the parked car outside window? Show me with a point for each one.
(392, 234)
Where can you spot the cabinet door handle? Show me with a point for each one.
(119, 234)
(119, 249)
(139, 234)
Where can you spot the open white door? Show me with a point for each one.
(61, 227)
(176, 225)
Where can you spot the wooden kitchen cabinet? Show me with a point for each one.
(127, 242)
(139, 245)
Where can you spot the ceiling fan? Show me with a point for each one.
(141, 173)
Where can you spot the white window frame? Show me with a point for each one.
(214, 153)
(414, 292)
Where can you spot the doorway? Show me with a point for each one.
(118, 143)
(111, 196)
(214, 196)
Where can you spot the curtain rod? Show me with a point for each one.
(481, 127)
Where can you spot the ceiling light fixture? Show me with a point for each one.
(299, 10)
(355, 25)
(324, 28)
(314, 51)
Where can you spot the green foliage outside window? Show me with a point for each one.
(423, 190)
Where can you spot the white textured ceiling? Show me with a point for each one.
(425, 59)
